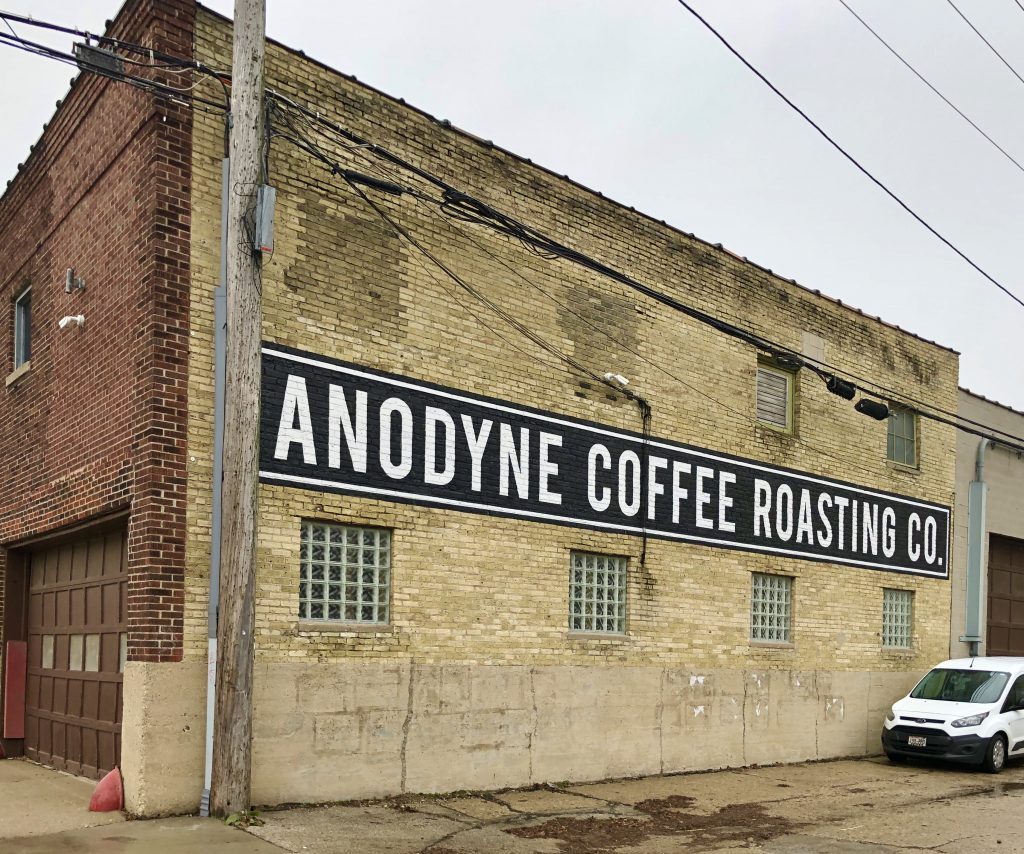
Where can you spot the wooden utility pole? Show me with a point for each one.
(232, 747)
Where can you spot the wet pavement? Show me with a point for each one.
(849, 807)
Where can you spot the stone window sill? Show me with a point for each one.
(613, 637)
(768, 646)
(338, 627)
(903, 468)
(898, 652)
(18, 373)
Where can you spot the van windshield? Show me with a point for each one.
(961, 686)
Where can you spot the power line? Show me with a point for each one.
(991, 47)
(925, 410)
(878, 183)
(335, 168)
(533, 239)
(158, 60)
(927, 83)
(153, 86)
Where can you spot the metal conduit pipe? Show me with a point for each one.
(976, 500)
(220, 322)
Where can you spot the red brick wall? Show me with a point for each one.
(98, 423)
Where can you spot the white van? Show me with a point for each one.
(965, 710)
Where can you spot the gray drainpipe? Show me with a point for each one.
(976, 498)
(220, 335)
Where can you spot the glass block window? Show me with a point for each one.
(901, 442)
(771, 608)
(345, 573)
(597, 593)
(897, 618)
(775, 397)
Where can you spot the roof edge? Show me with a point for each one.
(984, 399)
(488, 144)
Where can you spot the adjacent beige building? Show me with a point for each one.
(988, 554)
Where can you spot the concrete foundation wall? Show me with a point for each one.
(331, 732)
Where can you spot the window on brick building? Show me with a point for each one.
(345, 573)
(897, 618)
(597, 593)
(771, 608)
(23, 328)
(901, 442)
(775, 396)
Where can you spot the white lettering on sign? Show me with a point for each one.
(333, 426)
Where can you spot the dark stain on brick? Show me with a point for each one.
(590, 309)
(358, 252)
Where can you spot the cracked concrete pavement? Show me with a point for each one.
(864, 806)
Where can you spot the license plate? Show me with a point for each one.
(917, 741)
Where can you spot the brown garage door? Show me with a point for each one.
(76, 624)
(1005, 596)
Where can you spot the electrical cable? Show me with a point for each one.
(877, 182)
(169, 62)
(991, 47)
(464, 206)
(336, 169)
(516, 229)
(152, 86)
(927, 83)
(817, 366)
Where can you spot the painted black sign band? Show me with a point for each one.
(332, 426)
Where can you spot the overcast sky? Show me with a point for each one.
(638, 100)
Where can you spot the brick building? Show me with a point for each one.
(480, 566)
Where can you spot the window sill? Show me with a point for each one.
(899, 652)
(18, 373)
(614, 637)
(902, 467)
(338, 627)
(775, 431)
(772, 646)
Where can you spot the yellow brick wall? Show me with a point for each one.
(477, 589)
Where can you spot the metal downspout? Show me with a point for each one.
(976, 498)
(220, 322)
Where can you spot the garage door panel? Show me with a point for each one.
(108, 702)
(109, 652)
(1006, 596)
(46, 692)
(999, 610)
(74, 700)
(93, 606)
(63, 603)
(76, 620)
(111, 603)
(91, 700)
(60, 696)
(114, 559)
(77, 606)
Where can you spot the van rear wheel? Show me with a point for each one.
(995, 754)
